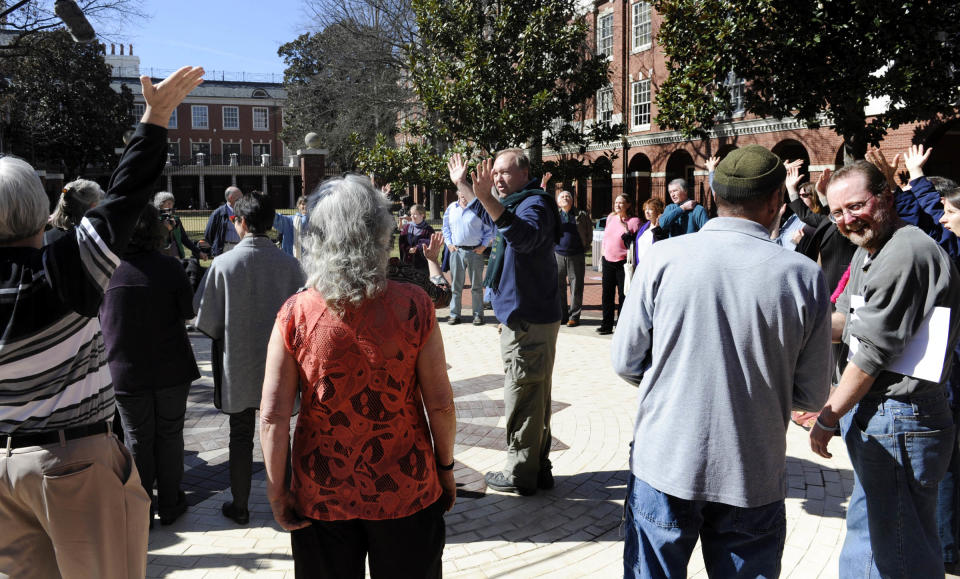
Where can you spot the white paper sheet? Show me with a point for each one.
(924, 355)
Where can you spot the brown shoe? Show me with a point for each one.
(573, 323)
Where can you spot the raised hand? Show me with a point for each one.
(889, 170)
(545, 180)
(823, 181)
(712, 163)
(432, 249)
(915, 158)
(483, 179)
(457, 167)
(162, 98)
(793, 179)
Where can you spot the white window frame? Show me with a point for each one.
(640, 109)
(137, 112)
(236, 118)
(194, 109)
(266, 118)
(174, 120)
(642, 37)
(605, 34)
(207, 154)
(256, 156)
(605, 105)
(737, 87)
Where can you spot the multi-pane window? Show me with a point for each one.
(261, 119)
(230, 149)
(197, 148)
(200, 117)
(641, 26)
(137, 113)
(172, 124)
(231, 117)
(735, 85)
(173, 149)
(605, 34)
(641, 103)
(605, 105)
(260, 149)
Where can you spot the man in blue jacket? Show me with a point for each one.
(522, 275)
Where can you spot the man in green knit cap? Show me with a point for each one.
(724, 332)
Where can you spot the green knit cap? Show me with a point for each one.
(748, 172)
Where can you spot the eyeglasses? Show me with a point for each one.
(805, 195)
(853, 210)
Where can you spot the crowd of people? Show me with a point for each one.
(798, 300)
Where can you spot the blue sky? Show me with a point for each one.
(237, 36)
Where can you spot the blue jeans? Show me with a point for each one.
(900, 449)
(460, 261)
(662, 532)
(948, 504)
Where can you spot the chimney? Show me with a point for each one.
(113, 49)
(121, 50)
(130, 52)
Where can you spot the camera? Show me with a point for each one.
(167, 215)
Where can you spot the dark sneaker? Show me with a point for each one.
(477, 320)
(545, 479)
(453, 320)
(240, 517)
(168, 516)
(604, 331)
(498, 482)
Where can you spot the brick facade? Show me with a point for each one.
(649, 156)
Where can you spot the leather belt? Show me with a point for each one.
(467, 247)
(54, 436)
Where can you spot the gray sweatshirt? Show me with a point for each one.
(724, 331)
(900, 284)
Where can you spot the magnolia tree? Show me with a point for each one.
(810, 60)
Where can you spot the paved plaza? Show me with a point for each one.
(571, 531)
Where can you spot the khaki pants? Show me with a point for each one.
(528, 352)
(72, 510)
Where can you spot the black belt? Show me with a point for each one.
(45, 438)
(467, 246)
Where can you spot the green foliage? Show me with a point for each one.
(412, 163)
(62, 110)
(497, 74)
(807, 59)
(339, 84)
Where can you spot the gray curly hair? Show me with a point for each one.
(347, 241)
(162, 197)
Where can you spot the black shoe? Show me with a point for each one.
(604, 331)
(498, 482)
(545, 479)
(453, 320)
(477, 320)
(236, 515)
(169, 517)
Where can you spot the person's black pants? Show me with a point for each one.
(611, 286)
(242, 425)
(411, 547)
(153, 431)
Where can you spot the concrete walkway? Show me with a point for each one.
(571, 531)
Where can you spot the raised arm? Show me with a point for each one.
(457, 166)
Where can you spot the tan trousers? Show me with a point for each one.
(72, 510)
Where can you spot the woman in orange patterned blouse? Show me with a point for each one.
(370, 475)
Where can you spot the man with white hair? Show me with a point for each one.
(71, 502)
(220, 233)
(684, 215)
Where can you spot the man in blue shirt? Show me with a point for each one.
(522, 276)
(684, 215)
(466, 236)
(220, 233)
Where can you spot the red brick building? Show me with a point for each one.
(226, 132)
(648, 157)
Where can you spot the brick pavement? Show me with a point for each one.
(571, 531)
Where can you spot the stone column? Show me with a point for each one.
(293, 191)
